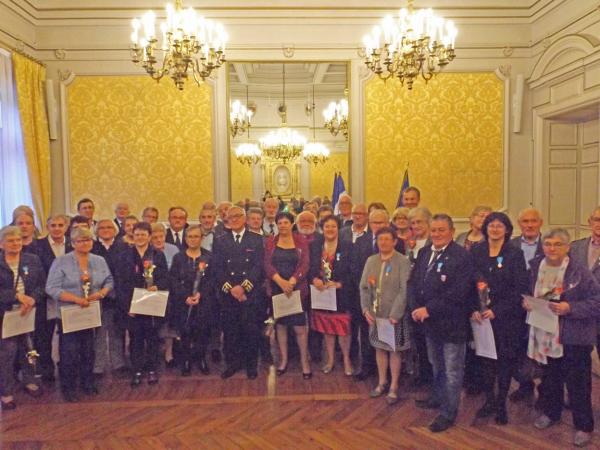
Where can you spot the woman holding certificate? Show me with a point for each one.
(191, 296)
(286, 265)
(502, 279)
(571, 293)
(143, 267)
(21, 287)
(78, 278)
(383, 302)
(330, 270)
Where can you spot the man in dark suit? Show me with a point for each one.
(113, 328)
(530, 241)
(121, 211)
(359, 226)
(363, 247)
(47, 249)
(238, 259)
(177, 225)
(442, 296)
(587, 253)
(345, 209)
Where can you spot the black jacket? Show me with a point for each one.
(340, 270)
(448, 291)
(111, 256)
(45, 253)
(34, 278)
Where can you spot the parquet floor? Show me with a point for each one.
(327, 412)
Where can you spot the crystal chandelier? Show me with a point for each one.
(189, 45)
(284, 144)
(417, 43)
(248, 153)
(336, 117)
(314, 152)
(239, 117)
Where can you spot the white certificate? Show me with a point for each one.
(325, 299)
(541, 316)
(149, 303)
(483, 335)
(286, 306)
(386, 332)
(76, 318)
(14, 324)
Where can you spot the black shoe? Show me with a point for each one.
(229, 372)
(521, 394)
(281, 371)
(427, 403)
(215, 355)
(90, 390)
(306, 376)
(170, 364)
(152, 377)
(203, 366)
(251, 374)
(8, 406)
(487, 410)
(70, 396)
(439, 424)
(137, 379)
(501, 415)
(186, 370)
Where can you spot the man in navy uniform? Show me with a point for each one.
(238, 259)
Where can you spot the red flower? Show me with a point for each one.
(481, 285)
(147, 264)
(372, 280)
(202, 266)
(85, 277)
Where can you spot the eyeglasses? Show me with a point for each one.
(81, 241)
(235, 216)
(554, 244)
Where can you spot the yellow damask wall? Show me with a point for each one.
(321, 176)
(135, 140)
(449, 132)
(241, 179)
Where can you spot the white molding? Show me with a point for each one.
(503, 73)
(359, 76)
(66, 78)
(220, 136)
(564, 44)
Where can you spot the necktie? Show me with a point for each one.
(237, 238)
(272, 227)
(375, 248)
(177, 240)
(436, 255)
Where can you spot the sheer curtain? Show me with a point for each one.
(14, 180)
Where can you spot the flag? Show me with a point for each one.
(405, 185)
(334, 195)
(339, 191)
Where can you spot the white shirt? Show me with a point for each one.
(357, 234)
(267, 227)
(177, 234)
(57, 249)
(438, 250)
(107, 244)
(238, 233)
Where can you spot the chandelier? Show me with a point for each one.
(248, 153)
(284, 144)
(314, 152)
(239, 117)
(189, 45)
(417, 43)
(336, 117)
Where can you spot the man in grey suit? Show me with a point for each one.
(587, 252)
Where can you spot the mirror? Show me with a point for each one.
(259, 88)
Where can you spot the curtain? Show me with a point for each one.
(14, 179)
(29, 80)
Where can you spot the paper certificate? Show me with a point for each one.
(286, 306)
(483, 335)
(541, 316)
(75, 318)
(325, 299)
(14, 324)
(149, 303)
(386, 332)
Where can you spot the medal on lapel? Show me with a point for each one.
(439, 266)
(499, 260)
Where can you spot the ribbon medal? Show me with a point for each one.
(388, 269)
(337, 256)
(439, 266)
(499, 260)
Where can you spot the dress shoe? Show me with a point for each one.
(170, 364)
(281, 371)
(137, 379)
(152, 377)
(392, 397)
(427, 403)
(8, 406)
(307, 375)
(581, 438)
(70, 396)
(544, 422)
(229, 372)
(203, 366)
(327, 369)
(186, 370)
(521, 394)
(487, 410)
(501, 415)
(378, 391)
(33, 391)
(439, 424)
(216, 356)
(251, 374)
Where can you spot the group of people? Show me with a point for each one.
(407, 291)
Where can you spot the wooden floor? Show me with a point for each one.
(329, 411)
